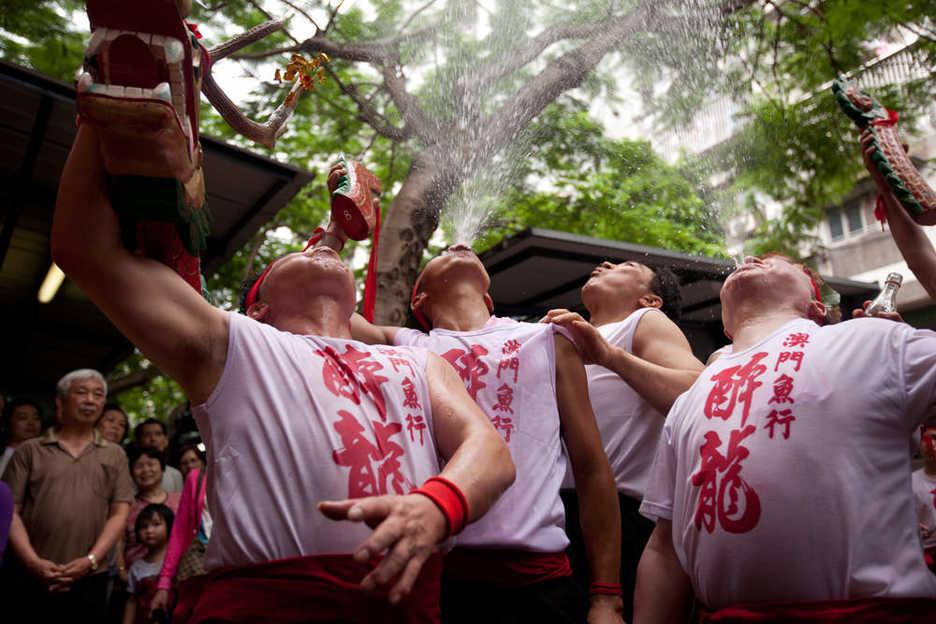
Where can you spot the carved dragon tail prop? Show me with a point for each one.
(903, 178)
(140, 86)
(356, 208)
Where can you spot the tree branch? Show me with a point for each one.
(302, 13)
(368, 113)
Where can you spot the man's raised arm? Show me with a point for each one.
(366, 332)
(594, 482)
(159, 312)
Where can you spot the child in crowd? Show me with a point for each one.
(153, 526)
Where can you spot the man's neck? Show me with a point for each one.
(603, 313)
(461, 309)
(757, 326)
(75, 437)
(320, 318)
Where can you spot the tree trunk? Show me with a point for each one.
(409, 223)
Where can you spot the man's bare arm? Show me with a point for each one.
(409, 527)
(663, 590)
(369, 333)
(661, 366)
(47, 572)
(162, 315)
(911, 239)
(594, 482)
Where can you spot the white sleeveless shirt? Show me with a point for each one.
(784, 468)
(295, 420)
(630, 427)
(509, 369)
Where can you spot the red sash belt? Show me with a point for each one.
(304, 589)
(865, 610)
(506, 568)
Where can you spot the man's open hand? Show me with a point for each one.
(407, 528)
(591, 345)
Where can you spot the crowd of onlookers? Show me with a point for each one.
(104, 497)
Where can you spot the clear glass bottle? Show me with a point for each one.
(886, 301)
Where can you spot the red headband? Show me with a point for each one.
(254, 292)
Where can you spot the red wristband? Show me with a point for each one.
(605, 589)
(449, 499)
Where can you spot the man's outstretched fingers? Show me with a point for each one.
(405, 585)
(371, 510)
(390, 566)
(384, 537)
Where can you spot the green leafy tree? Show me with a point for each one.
(777, 59)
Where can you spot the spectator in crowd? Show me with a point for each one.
(22, 420)
(72, 492)
(637, 361)
(146, 468)
(911, 238)
(185, 556)
(924, 492)
(531, 382)
(780, 480)
(6, 516)
(290, 428)
(113, 424)
(151, 433)
(152, 528)
(190, 458)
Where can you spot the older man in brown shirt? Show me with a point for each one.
(72, 491)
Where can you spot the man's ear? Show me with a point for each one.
(489, 303)
(59, 407)
(258, 311)
(651, 300)
(418, 301)
(816, 312)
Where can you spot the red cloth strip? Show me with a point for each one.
(304, 589)
(449, 499)
(507, 568)
(859, 611)
(370, 283)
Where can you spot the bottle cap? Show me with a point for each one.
(897, 278)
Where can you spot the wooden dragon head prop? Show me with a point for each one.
(139, 85)
(889, 153)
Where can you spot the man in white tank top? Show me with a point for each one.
(530, 382)
(781, 477)
(296, 415)
(637, 361)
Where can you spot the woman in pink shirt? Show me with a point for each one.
(192, 521)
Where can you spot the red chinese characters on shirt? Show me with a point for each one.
(729, 500)
(725, 497)
(504, 402)
(471, 368)
(780, 417)
(782, 388)
(415, 423)
(796, 339)
(375, 465)
(734, 385)
(352, 373)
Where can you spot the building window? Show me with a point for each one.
(835, 225)
(853, 214)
